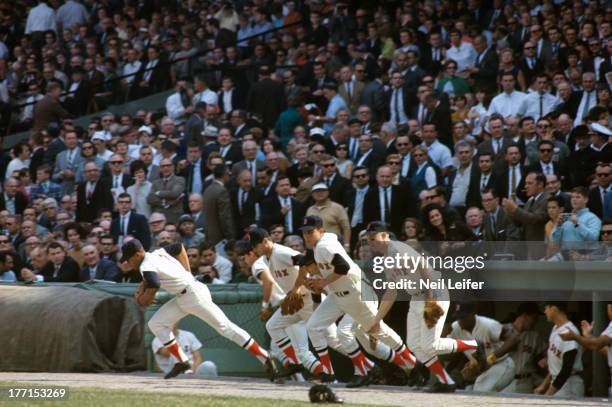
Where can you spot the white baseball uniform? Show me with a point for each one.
(529, 347)
(192, 297)
(423, 341)
(608, 332)
(488, 331)
(293, 326)
(573, 386)
(189, 343)
(348, 295)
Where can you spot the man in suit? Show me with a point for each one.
(167, 192)
(484, 72)
(588, 97)
(193, 169)
(412, 73)
(93, 195)
(282, 209)
(250, 162)
(154, 75)
(440, 115)
(355, 198)
(129, 223)
(497, 144)
(338, 185)
(497, 226)
(67, 162)
(218, 220)
(61, 267)
(367, 156)
(389, 203)
(398, 100)
(49, 109)
(373, 96)
(81, 93)
(246, 203)
(597, 195)
(196, 210)
(553, 187)
(350, 89)
(270, 91)
(530, 64)
(543, 51)
(482, 178)
(226, 146)
(533, 216)
(146, 156)
(11, 199)
(230, 97)
(433, 54)
(195, 124)
(96, 268)
(569, 100)
(118, 179)
(511, 176)
(547, 166)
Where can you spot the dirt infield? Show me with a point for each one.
(257, 388)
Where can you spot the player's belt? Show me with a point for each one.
(522, 376)
(342, 293)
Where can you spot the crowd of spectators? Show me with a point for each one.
(451, 121)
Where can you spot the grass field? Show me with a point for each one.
(86, 397)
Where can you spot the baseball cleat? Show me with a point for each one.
(438, 387)
(358, 381)
(273, 374)
(326, 378)
(177, 369)
(481, 354)
(375, 375)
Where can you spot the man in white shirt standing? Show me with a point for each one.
(540, 102)
(204, 94)
(438, 152)
(509, 101)
(40, 20)
(461, 52)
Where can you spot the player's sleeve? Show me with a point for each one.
(151, 279)
(174, 249)
(566, 368)
(341, 266)
(567, 346)
(454, 333)
(257, 268)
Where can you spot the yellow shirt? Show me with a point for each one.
(335, 218)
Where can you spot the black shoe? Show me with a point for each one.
(272, 372)
(177, 369)
(358, 381)
(326, 378)
(375, 375)
(441, 388)
(417, 376)
(291, 370)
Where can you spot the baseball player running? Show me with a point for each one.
(169, 269)
(428, 308)
(328, 267)
(564, 357)
(277, 268)
(528, 350)
(499, 366)
(594, 343)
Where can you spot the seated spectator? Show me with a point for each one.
(60, 267)
(190, 345)
(209, 255)
(208, 274)
(189, 235)
(96, 268)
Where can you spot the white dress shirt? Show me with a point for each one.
(381, 201)
(131, 68)
(286, 201)
(587, 102)
(537, 105)
(465, 55)
(396, 107)
(439, 154)
(41, 18)
(227, 100)
(207, 96)
(506, 104)
(360, 194)
(460, 186)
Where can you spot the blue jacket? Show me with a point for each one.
(106, 270)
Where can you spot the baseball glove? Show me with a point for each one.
(292, 303)
(265, 313)
(432, 313)
(470, 371)
(140, 290)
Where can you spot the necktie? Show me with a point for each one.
(387, 208)
(405, 165)
(541, 105)
(435, 54)
(547, 169)
(123, 225)
(353, 147)
(485, 179)
(240, 197)
(328, 182)
(89, 191)
(493, 225)
(496, 146)
(423, 115)
(395, 105)
(348, 90)
(604, 191)
(116, 182)
(513, 182)
(70, 157)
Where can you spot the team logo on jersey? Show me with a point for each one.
(281, 273)
(556, 351)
